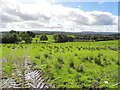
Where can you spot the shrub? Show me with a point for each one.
(31, 34)
(43, 37)
(28, 39)
(62, 38)
(10, 38)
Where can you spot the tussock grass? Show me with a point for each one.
(68, 65)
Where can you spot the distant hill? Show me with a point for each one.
(83, 32)
(61, 32)
(88, 32)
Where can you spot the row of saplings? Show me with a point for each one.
(16, 37)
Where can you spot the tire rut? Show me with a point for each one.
(29, 79)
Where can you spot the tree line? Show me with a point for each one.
(16, 37)
(97, 37)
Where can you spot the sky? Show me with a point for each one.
(111, 7)
(56, 15)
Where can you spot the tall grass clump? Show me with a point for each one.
(46, 55)
(37, 56)
(71, 64)
(80, 68)
(60, 60)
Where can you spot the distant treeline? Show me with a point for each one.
(96, 37)
(16, 37)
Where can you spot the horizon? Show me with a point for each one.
(61, 31)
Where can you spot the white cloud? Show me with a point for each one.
(103, 18)
(46, 15)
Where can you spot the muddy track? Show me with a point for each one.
(28, 79)
(34, 78)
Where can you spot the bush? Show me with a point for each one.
(62, 38)
(31, 34)
(28, 39)
(10, 38)
(43, 37)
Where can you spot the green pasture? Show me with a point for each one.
(68, 65)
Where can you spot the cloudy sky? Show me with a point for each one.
(53, 15)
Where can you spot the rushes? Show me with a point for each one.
(70, 65)
(60, 60)
(37, 56)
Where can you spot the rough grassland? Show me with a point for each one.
(70, 65)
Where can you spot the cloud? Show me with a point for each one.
(45, 14)
(103, 18)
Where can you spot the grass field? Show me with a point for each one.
(66, 65)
